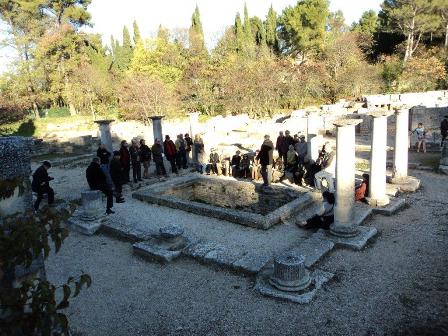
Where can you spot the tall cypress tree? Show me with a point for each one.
(271, 29)
(247, 26)
(196, 33)
(239, 33)
(137, 36)
(126, 51)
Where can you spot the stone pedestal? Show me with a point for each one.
(401, 144)
(343, 225)
(157, 128)
(443, 166)
(89, 217)
(290, 273)
(377, 186)
(105, 135)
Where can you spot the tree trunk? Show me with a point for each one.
(36, 110)
(446, 36)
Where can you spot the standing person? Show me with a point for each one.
(41, 184)
(170, 151)
(181, 152)
(145, 154)
(279, 145)
(291, 159)
(421, 137)
(188, 146)
(104, 156)
(157, 156)
(301, 149)
(266, 160)
(444, 129)
(288, 142)
(125, 159)
(134, 151)
(97, 181)
(116, 173)
(256, 167)
(235, 164)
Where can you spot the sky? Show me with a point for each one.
(109, 16)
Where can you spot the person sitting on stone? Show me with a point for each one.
(245, 166)
(157, 156)
(97, 181)
(325, 217)
(235, 164)
(362, 191)
(214, 162)
(278, 170)
(256, 167)
(421, 137)
(41, 184)
(145, 155)
(116, 173)
(325, 166)
(291, 158)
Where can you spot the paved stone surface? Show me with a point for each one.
(221, 256)
(148, 250)
(395, 205)
(361, 212)
(318, 279)
(355, 243)
(200, 249)
(85, 227)
(408, 184)
(116, 226)
(313, 249)
(251, 263)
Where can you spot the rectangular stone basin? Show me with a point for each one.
(241, 202)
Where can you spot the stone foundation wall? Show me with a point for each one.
(234, 195)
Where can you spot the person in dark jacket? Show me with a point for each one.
(41, 184)
(125, 159)
(103, 154)
(214, 162)
(116, 173)
(325, 217)
(170, 151)
(279, 145)
(289, 140)
(444, 129)
(188, 146)
(157, 156)
(245, 166)
(134, 152)
(181, 155)
(266, 160)
(235, 164)
(97, 181)
(145, 154)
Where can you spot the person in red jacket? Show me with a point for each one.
(170, 152)
(125, 160)
(362, 191)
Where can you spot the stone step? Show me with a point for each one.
(148, 250)
(313, 249)
(395, 205)
(356, 243)
(115, 225)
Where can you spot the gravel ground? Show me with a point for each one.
(398, 285)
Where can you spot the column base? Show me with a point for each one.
(377, 203)
(344, 230)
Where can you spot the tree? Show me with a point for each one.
(271, 30)
(412, 18)
(73, 12)
(239, 34)
(259, 31)
(441, 7)
(249, 38)
(302, 27)
(196, 34)
(367, 24)
(336, 22)
(137, 36)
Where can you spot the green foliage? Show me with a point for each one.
(271, 30)
(32, 307)
(196, 34)
(368, 23)
(392, 69)
(57, 112)
(137, 36)
(302, 27)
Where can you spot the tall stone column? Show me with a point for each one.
(377, 186)
(157, 127)
(401, 144)
(443, 166)
(194, 129)
(314, 140)
(343, 225)
(105, 135)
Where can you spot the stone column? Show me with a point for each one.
(443, 166)
(377, 186)
(194, 129)
(105, 135)
(157, 128)
(345, 179)
(401, 144)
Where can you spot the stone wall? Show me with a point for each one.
(234, 195)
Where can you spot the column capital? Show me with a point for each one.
(346, 122)
(380, 113)
(104, 121)
(156, 117)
